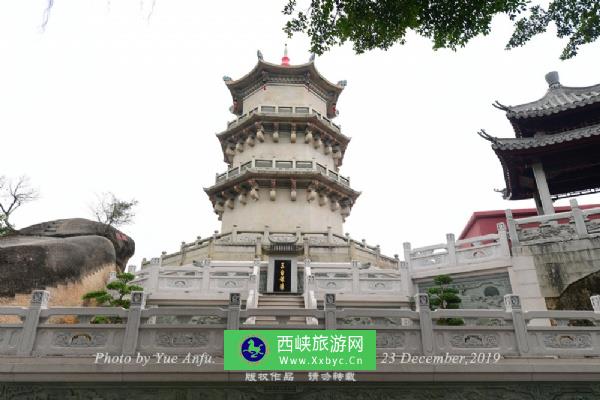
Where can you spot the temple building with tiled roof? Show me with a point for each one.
(554, 153)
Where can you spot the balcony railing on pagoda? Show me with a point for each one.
(283, 165)
(283, 111)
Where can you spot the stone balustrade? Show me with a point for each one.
(37, 330)
(477, 252)
(282, 166)
(204, 280)
(353, 279)
(214, 280)
(574, 224)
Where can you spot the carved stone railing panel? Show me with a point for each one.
(181, 340)
(574, 224)
(79, 339)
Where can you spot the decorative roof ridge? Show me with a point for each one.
(557, 98)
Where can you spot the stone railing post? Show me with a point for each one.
(258, 247)
(578, 219)
(406, 246)
(233, 312)
(306, 245)
(162, 256)
(39, 302)
(182, 251)
(425, 322)
(132, 329)
(512, 304)
(206, 275)
(330, 309)
(512, 227)
(451, 248)
(595, 300)
(355, 276)
(503, 239)
(153, 276)
(405, 283)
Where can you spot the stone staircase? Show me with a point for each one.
(278, 302)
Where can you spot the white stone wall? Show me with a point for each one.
(283, 214)
(288, 95)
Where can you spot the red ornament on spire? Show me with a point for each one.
(285, 60)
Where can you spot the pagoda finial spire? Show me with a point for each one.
(285, 60)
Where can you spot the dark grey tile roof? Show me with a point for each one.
(557, 99)
(545, 140)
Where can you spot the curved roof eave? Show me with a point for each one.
(290, 69)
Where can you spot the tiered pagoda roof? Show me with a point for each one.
(265, 72)
(562, 131)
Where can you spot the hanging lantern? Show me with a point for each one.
(317, 142)
(293, 135)
(254, 192)
(335, 205)
(328, 149)
(308, 137)
(293, 192)
(260, 134)
(311, 194)
(273, 192)
(323, 200)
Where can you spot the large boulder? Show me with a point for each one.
(62, 252)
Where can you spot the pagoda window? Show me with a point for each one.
(302, 110)
(267, 109)
(245, 166)
(263, 163)
(304, 164)
(322, 169)
(283, 164)
(285, 109)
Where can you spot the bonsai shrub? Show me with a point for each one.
(446, 298)
(116, 294)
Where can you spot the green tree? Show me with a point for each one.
(444, 297)
(116, 294)
(449, 24)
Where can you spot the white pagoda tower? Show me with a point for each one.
(282, 202)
